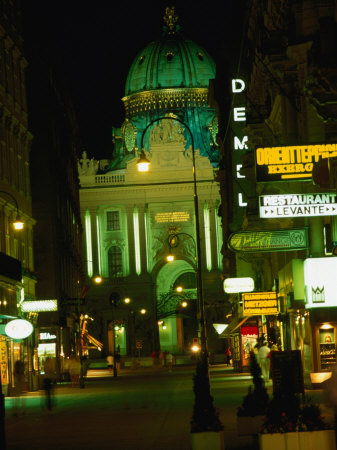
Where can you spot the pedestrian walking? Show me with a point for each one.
(19, 379)
(169, 360)
(117, 361)
(48, 381)
(165, 357)
(264, 361)
(74, 370)
(228, 356)
(110, 362)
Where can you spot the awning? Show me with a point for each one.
(2, 316)
(233, 327)
(90, 339)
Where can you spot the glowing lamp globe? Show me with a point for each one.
(19, 329)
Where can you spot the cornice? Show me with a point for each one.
(165, 99)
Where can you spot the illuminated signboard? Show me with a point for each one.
(46, 336)
(269, 241)
(320, 282)
(176, 216)
(240, 143)
(234, 285)
(38, 305)
(19, 329)
(298, 205)
(257, 303)
(290, 163)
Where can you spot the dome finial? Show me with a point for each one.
(170, 18)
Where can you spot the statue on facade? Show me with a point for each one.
(166, 132)
(87, 166)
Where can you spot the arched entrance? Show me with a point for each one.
(176, 310)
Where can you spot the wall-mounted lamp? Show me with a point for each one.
(18, 224)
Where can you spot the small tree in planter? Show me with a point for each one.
(205, 416)
(206, 428)
(256, 401)
(251, 414)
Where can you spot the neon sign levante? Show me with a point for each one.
(298, 205)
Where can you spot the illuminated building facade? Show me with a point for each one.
(290, 125)
(17, 274)
(129, 216)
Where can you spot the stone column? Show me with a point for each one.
(213, 234)
(94, 243)
(131, 239)
(142, 238)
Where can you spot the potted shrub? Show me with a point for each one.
(251, 414)
(293, 422)
(206, 427)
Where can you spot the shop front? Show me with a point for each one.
(48, 347)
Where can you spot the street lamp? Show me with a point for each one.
(200, 297)
(18, 224)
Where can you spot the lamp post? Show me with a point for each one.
(18, 224)
(200, 297)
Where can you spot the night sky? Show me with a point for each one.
(94, 43)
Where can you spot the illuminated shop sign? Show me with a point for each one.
(19, 329)
(239, 144)
(320, 282)
(257, 303)
(298, 205)
(290, 163)
(46, 336)
(269, 241)
(234, 285)
(39, 305)
(176, 216)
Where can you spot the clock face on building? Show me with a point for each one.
(129, 134)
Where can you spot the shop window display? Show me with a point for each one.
(327, 348)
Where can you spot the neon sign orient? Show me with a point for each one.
(239, 115)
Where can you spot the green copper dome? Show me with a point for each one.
(172, 62)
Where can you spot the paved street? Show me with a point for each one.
(140, 410)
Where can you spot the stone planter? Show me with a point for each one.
(208, 440)
(303, 440)
(249, 425)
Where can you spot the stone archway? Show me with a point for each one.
(171, 332)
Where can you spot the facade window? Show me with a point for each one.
(112, 221)
(115, 262)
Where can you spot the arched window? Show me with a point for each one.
(115, 262)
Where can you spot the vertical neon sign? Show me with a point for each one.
(240, 145)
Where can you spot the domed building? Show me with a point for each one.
(134, 220)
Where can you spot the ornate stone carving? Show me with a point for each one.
(87, 166)
(166, 132)
(111, 242)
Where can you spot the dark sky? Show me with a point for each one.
(96, 43)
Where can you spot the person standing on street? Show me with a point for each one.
(169, 360)
(19, 378)
(263, 353)
(49, 377)
(110, 362)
